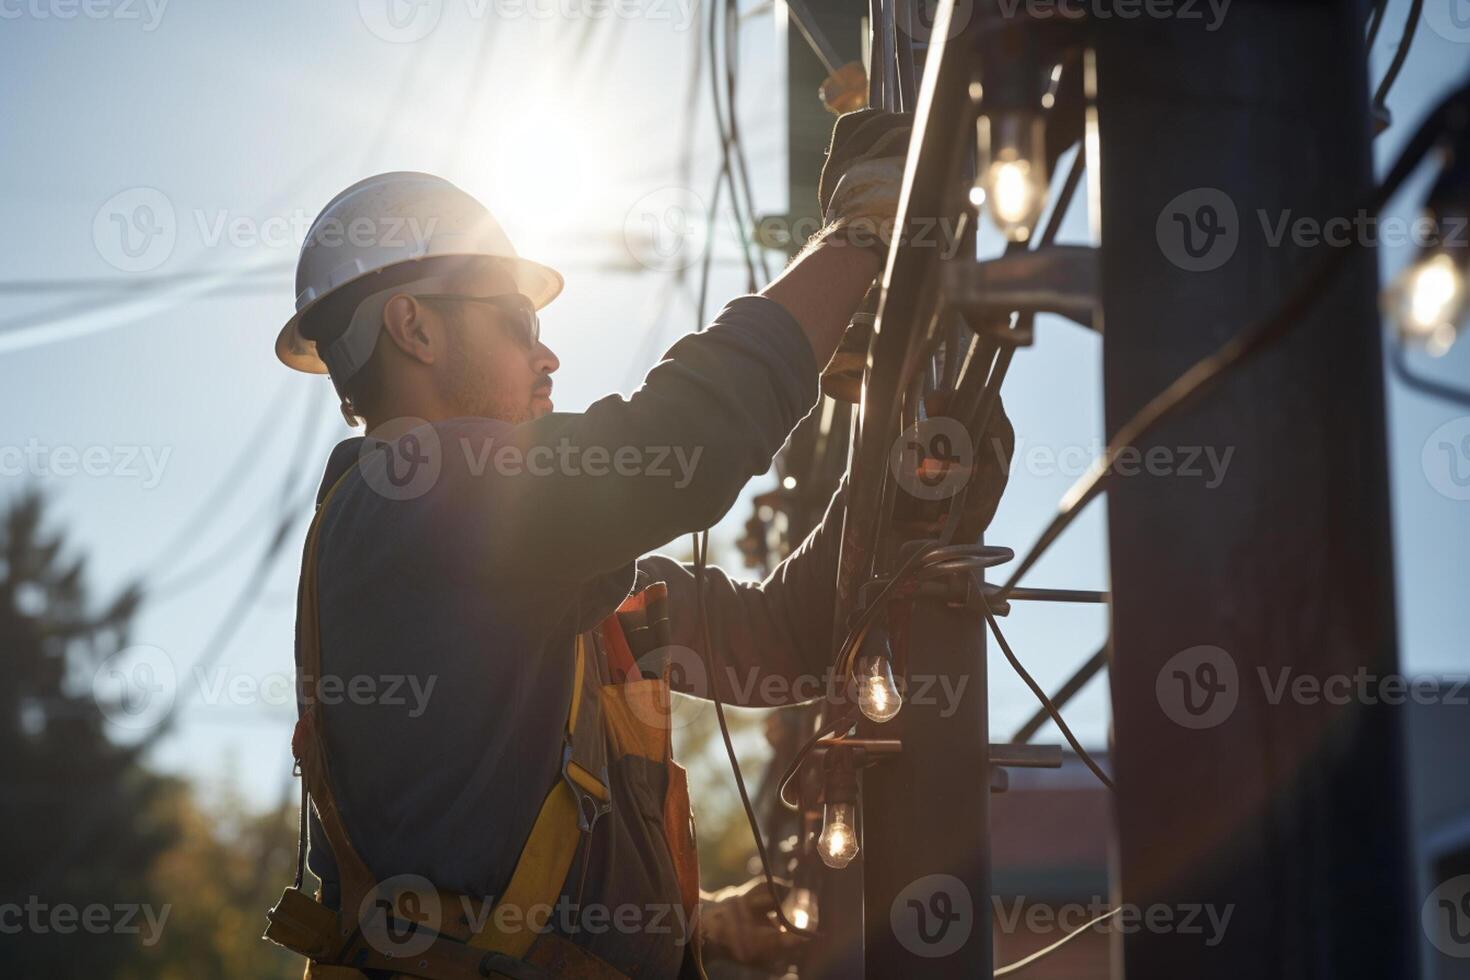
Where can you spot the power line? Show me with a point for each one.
(1089, 669)
(1399, 362)
(1239, 349)
(1400, 56)
(1046, 702)
(1026, 961)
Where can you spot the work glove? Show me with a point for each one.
(861, 178)
(858, 191)
(991, 473)
(739, 924)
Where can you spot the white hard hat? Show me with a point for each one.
(382, 223)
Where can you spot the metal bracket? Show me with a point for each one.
(1060, 279)
(1025, 756)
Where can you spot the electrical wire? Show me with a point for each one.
(225, 630)
(247, 455)
(722, 133)
(742, 166)
(1046, 702)
(1065, 693)
(1026, 961)
(701, 555)
(841, 723)
(1400, 55)
(1239, 349)
(1375, 21)
(1398, 360)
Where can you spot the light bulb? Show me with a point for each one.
(838, 843)
(800, 908)
(878, 696)
(1429, 301)
(1011, 176)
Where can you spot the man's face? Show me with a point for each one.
(491, 370)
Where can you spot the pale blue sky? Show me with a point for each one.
(260, 111)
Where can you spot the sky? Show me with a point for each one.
(219, 130)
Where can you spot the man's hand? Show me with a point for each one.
(858, 190)
(863, 174)
(738, 924)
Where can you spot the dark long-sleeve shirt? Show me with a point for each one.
(457, 567)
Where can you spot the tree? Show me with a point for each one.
(81, 821)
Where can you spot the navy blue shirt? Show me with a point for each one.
(456, 567)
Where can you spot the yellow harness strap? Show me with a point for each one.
(568, 814)
(566, 818)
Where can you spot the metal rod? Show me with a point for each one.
(808, 28)
(1063, 694)
(1026, 756)
(1058, 595)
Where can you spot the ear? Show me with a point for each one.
(413, 329)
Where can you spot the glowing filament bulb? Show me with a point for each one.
(1012, 172)
(1429, 301)
(878, 696)
(800, 908)
(838, 843)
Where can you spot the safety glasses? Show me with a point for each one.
(517, 312)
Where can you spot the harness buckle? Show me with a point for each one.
(590, 809)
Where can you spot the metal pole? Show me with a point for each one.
(1235, 796)
(926, 813)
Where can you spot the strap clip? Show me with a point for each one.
(590, 808)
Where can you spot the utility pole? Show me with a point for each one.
(926, 871)
(1282, 810)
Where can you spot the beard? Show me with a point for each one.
(471, 393)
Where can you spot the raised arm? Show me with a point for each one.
(629, 475)
(773, 639)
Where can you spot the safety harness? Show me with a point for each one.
(379, 927)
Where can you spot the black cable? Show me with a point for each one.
(1399, 361)
(219, 639)
(1401, 55)
(1065, 693)
(1375, 21)
(700, 559)
(234, 477)
(742, 166)
(1202, 376)
(990, 393)
(841, 722)
(1046, 702)
(723, 136)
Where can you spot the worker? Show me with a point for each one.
(522, 815)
